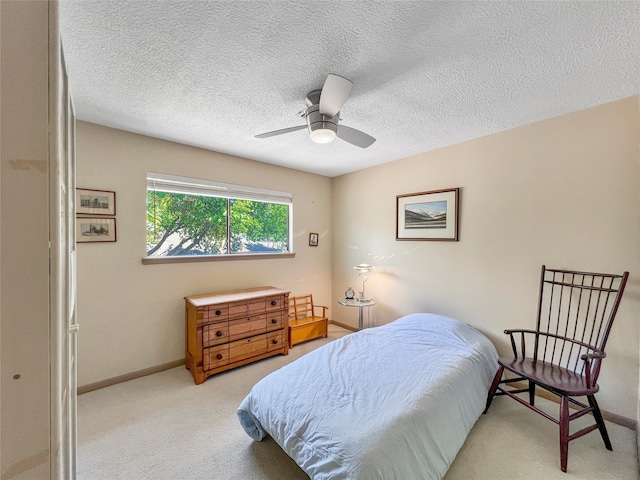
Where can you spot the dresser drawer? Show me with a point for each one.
(212, 314)
(275, 321)
(248, 307)
(244, 327)
(237, 309)
(215, 357)
(276, 302)
(247, 347)
(276, 340)
(218, 312)
(215, 334)
(256, 305)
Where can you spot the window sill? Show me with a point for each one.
(214, 258)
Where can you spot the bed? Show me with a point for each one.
(395, 401)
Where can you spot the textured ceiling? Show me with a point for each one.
(426, 74)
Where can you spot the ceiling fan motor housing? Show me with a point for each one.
(315, 120)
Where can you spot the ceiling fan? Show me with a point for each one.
(323, 115)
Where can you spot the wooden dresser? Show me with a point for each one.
(228, 329)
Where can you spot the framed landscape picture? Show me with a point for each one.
(95, 202)
(428, 215)
(93, 229)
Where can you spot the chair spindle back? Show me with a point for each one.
(577, 309)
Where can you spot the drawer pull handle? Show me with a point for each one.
(218, 333)
(273, 303)
(219, 356)
(273, 320)
(218, 312)
(274, 341)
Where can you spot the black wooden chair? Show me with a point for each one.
(575, 314)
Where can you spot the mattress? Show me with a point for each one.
(390, 402)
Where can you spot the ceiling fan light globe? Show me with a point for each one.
(323, 135)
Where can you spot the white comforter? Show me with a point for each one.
(391, 402)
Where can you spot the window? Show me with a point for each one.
(187, 216)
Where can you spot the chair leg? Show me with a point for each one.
(564, 433)
(494, 387)
(600, 421)
(532, 392)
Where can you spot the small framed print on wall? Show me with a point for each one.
(428, 215)
(95, 229)
(95, 202)
(313, 239)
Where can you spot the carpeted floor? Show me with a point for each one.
(164, 427)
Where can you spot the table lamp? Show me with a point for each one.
(363, 268)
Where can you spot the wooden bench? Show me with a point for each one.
(304, 324)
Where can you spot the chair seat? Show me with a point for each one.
(552, 377)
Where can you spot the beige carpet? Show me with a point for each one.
(164, 427)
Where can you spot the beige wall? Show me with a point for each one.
(24, 255)
(131, 315)
(562, 192)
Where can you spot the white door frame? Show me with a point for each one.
(62, 266)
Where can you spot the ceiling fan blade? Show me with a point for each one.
(335, 92)
(355, 137)
(281, 131)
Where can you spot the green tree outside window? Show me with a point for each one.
(191, 224)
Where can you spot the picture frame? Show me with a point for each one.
(95, 202)
(313, 239)
(428, 215)
(95, 229)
